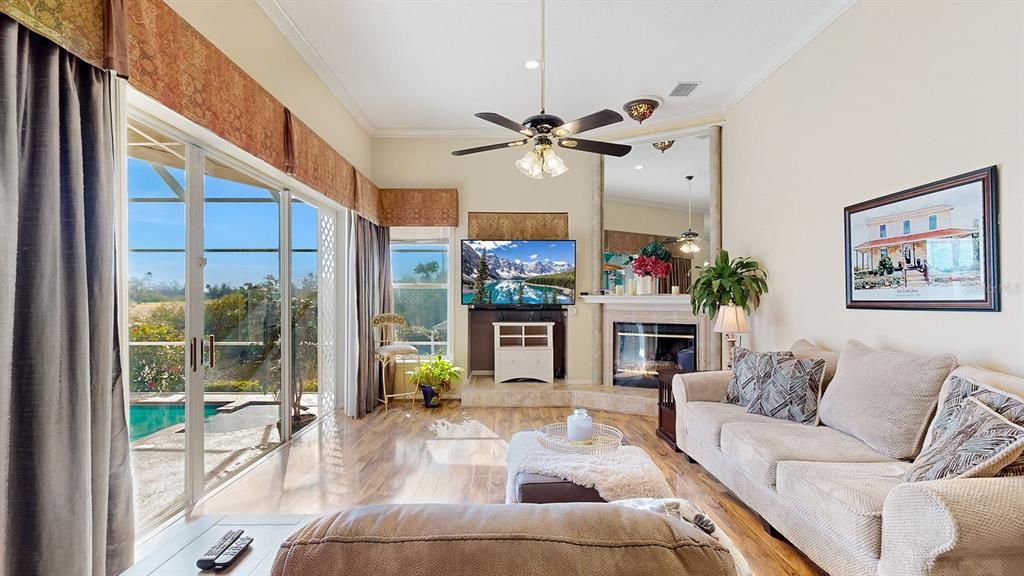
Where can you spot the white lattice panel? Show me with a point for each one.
(326, 312)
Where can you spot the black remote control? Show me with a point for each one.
(206, 561)
(232, 553)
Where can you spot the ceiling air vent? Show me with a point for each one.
(684, 89)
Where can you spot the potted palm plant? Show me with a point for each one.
(434, 377)
(733, 287)
(738, 282)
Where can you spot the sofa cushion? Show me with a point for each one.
(499, 539)
(978, 443)
(841, 499)
(756, 448)
(792, 392)
(806, 350)
(884, 398)
(704, 420)
(1003, 393)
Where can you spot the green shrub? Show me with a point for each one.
(252, 386)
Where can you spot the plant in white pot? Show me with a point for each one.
(435, 377)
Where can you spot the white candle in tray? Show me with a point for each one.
(580, 426)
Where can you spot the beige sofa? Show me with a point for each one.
(842, 502)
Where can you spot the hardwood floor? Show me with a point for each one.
(455, 454)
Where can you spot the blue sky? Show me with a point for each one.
(227, 225)
(529, 250)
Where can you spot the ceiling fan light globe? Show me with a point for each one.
(530, 165)
(553, 163)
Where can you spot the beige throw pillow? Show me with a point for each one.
(977, 443)
(807, 350)
(885, 399)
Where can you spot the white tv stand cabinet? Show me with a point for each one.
(524, 350)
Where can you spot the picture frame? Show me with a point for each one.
(931, 247)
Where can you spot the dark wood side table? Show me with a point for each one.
(666, 410)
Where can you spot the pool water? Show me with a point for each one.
(146, 419)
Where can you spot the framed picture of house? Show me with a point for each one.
(933, 247)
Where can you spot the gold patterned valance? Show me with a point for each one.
(176, 65)
(90, 29)
(419, 206)
(519, 225)
(367, 198)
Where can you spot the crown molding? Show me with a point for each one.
(818, 25)
(291, 32)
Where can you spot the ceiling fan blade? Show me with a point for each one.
(505, 122)
(595, 147)
(589, 122)
(511, 144)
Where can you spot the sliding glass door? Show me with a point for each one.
(156, 320)
(231, 317)
(241, 319)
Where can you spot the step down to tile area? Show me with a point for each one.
(482, 391)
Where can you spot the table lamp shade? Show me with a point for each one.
(731, 320)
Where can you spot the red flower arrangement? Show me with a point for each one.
(651, 266)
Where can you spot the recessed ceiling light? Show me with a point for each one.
(532, 64)
(638, 167)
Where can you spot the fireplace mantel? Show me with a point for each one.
(653, 302)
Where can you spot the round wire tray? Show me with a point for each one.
(555, 437)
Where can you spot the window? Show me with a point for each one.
(419, 283)
(881, 231)
(906, 226)
(933, 222)
(885, 252)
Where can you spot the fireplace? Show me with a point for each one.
(646, 353)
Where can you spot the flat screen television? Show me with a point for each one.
(519, 272)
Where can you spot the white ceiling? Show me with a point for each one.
(424, 67)
(662, 182)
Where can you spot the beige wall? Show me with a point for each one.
(647, 219)
(489, 182)
(246, 34)
(890, 96)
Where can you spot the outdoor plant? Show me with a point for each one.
(739, 282)
(434, 377)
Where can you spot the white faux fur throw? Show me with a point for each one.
(625, 473)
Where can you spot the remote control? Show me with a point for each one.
(232, 553)
(206, 561)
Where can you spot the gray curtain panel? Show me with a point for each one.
(373, 296)
(65, 484)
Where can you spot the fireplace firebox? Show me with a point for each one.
(646, 353)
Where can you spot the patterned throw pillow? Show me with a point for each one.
(960, 390)
(792, 391)
(750, 372)
(978, 444)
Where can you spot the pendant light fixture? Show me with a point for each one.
(689, 238)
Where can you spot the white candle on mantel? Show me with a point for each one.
(631, 287)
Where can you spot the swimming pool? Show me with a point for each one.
(148, 418)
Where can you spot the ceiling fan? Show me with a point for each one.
(545, 131)
(688, 241)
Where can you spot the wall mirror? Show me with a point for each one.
(647, 198)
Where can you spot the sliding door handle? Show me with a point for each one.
(211, 350)
(192, 355)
